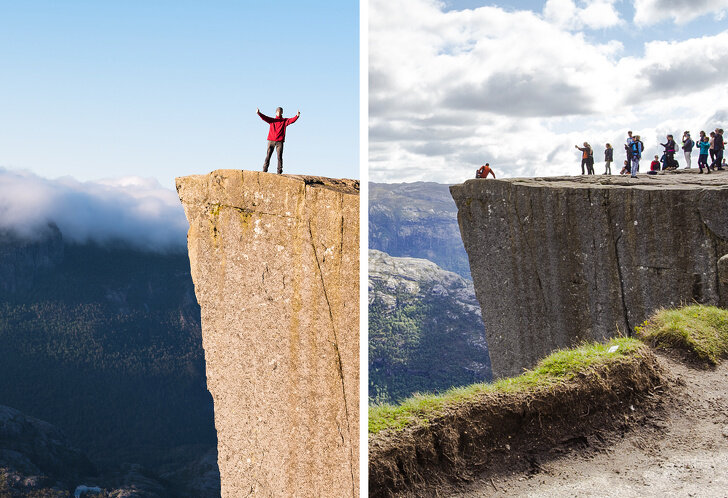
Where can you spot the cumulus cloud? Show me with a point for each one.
(680, 11)
(450, 90)
(594, 14)
(674, 68)
(134, 211)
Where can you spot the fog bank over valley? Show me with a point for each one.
(129, 210)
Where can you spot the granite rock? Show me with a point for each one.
(275, 263)
(556, 261)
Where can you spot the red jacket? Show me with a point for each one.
(277, 131)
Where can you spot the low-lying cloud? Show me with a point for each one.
(132, 210)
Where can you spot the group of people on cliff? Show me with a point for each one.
(712, 146)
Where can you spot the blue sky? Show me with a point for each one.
(109, 89)
(519, 83)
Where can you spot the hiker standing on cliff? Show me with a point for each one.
(484, 171)
(704, 146)
(687, 147)
(276, 135)
(669, 153)
(636, 148)
(719, 146)
(608, 158)
(628, 147)
(587, 158)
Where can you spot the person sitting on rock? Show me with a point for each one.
(625, 168)
(276, 135)
(654, 166)
(484, 171)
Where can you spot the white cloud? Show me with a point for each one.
(135, 211)
(452, 90)
(649, 12)
(595, 14)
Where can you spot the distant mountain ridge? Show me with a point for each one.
(417, 220)
(425, 329)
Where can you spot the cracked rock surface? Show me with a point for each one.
(556, 261)
(275, 262)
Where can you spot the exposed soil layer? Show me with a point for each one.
(514, 432)
(680, 449)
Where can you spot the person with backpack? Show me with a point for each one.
(687, 147)
(636, 148)
(628, 147)
(669, 153)
(608, 158)
(704, 146)
(484, 171)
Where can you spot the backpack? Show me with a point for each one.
(479, 173)
(635, 148)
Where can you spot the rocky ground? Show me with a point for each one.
(681, 449)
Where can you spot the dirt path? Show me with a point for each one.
(680, 450)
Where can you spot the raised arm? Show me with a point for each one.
(292, 120)
(265, 118)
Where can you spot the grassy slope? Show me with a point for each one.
(700, 330)
(559, 367)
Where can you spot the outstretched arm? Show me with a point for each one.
(491, 172)
(292, 120)
(265, 118)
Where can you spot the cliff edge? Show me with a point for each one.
(275, 262)
(556, 261)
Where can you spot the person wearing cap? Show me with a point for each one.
(276, 135)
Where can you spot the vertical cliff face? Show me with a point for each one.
(559, 260)
(275, 262)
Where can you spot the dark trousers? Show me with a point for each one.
(718, 159)
(269, 151)
(703, 161)
(589, 163)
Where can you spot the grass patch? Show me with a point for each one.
(558, 367)
(700, 330)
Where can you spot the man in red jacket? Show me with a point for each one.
(276, 135)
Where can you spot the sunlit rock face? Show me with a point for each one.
(556, 261)
(275, 262)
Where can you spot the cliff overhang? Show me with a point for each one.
(275, 263)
